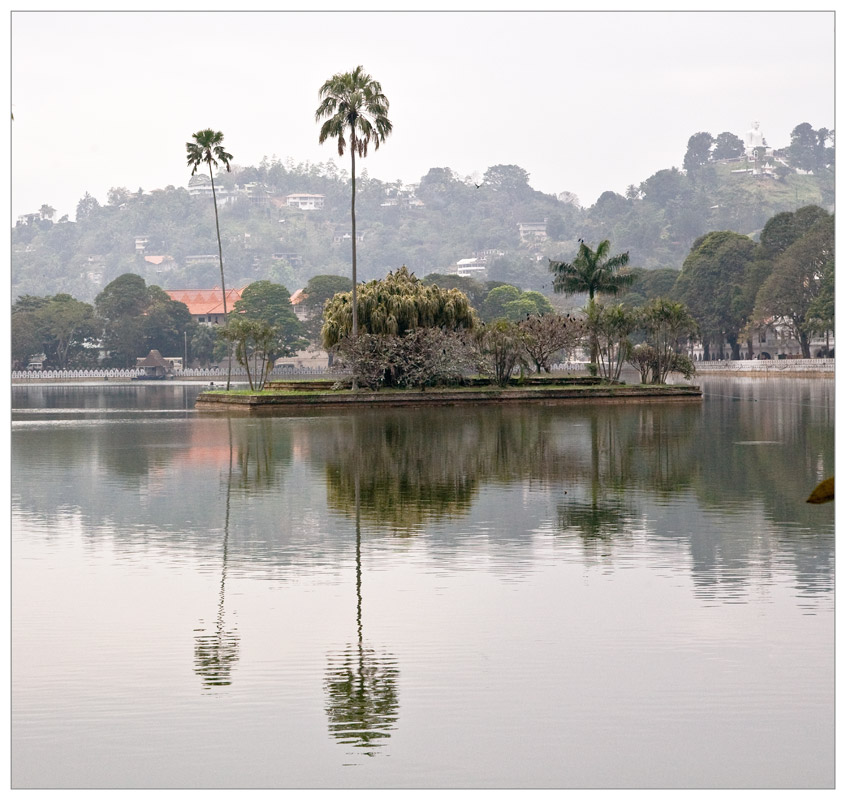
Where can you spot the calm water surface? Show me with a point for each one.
(570, 596)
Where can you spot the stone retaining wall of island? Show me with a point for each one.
(279, 399)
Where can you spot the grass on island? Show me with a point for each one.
(276, 391)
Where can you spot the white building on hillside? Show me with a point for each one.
(306, 202)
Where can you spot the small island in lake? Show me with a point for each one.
(534, 389)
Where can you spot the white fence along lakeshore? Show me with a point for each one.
(774, 366)
(127, 374)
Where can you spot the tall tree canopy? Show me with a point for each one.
(506, 177)
(698, 151)
(316, 293)
(809, 150)
(713, 283)
(799, 278)
(138, 318)
(59, 326)
(353, 105)
(270, 303)
(728, 145)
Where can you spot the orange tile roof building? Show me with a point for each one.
(206, 305)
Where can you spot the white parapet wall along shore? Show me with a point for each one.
(769, 366)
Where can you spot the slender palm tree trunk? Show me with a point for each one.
(354, 275)
(222, 281)
(594, 344)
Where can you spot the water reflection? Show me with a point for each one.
(362, 700)
(508, 509)
(215, 653)
(684, 475)
(398, 470)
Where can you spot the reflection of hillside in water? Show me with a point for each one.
(726, 479)
(430, 464)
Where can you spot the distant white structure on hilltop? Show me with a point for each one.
(759, 154)
(754, 140)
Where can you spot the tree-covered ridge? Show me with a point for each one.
(167, 236)
(732, 287)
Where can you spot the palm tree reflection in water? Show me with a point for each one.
(216, 653)
(603, 518)
(361, 686)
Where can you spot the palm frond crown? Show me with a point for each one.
(353, 104)
(592, 272)
(207, 148)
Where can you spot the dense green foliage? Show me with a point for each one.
(509, 302)
(270, 303)
(317, 292)
(736, 287)
(137, 318)
(713, 281)
(800, 289)
(60, 327)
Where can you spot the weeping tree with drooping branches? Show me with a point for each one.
(394, 306)
(390, 311)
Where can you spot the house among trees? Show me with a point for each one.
(469, 267)
(162, 263)
(532, 231)
(206, 305)
(306, 202)
(201, 186)
(257, 193)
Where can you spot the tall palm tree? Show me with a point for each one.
(592, 272)
(353, 105)
(207, 147)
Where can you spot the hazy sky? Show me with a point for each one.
(584, 101)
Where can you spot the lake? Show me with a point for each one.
(563, 596)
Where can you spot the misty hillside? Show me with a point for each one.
(167, 235)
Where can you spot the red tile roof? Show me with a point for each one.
(206, 301)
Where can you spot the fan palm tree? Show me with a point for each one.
(592, 272)
(207, 148)
(352, 105)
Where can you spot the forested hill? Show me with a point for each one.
(167, 236)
